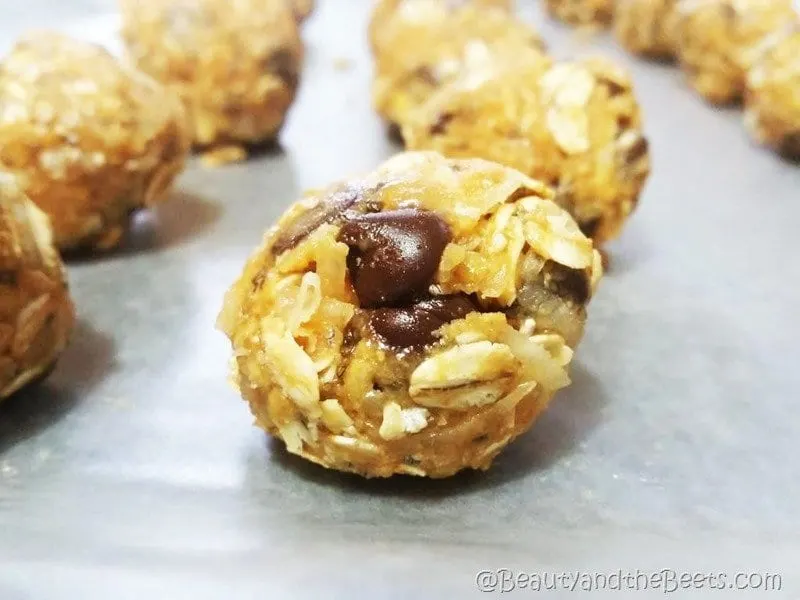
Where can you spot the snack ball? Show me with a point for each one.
(89, 139)
(36, 312)
(576, 126)
(234, 63)
(422, 55)
(414, 320)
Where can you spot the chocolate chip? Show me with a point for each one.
(637, 151)
(614, 88)
(589, 227)
(440, 126)
(570, 283)
(393, 255)
(426, 74)
(283, 64)
(394, 132)
(790, 148)
(258, 281)
(8, 277)
(413, 326)
(328, 210)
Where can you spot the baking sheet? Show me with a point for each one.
(134, 471)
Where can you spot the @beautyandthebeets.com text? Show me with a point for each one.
(665, 580)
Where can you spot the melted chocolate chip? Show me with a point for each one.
(393, 255)
(330, 209)
(637, 151)
(440, 126)
(571, 283)
(395, 133)
(589, 228)
(258, 281)
(283, 64)
(8, 277)
(614, 88)
(414, 326)
(790, 148)
(426, 74)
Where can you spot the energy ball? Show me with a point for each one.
(772, 97)
(234, 63)
(582, 12)
(302, 9)
(646, 27)
(415, 320)
(716, 41)
(419, 11)
(422, 55)
(36, 313)
(90, 140)
(577, 127)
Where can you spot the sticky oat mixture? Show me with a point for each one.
(89, 139)
(420, 55)
(414, 320)
(36, 312)
(575, 125)
(235, 63)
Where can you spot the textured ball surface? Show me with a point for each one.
(573, 125)
(234, 63)
(420, 55)
(36, 312)
(89, 139)
(415, 320)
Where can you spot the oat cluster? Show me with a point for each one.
(235, 64)
(36, 313)
(89, 139)
(414, 320)
(575, 125)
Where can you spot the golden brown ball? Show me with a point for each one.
(90, 139)
(36, 312)
(414, 320)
